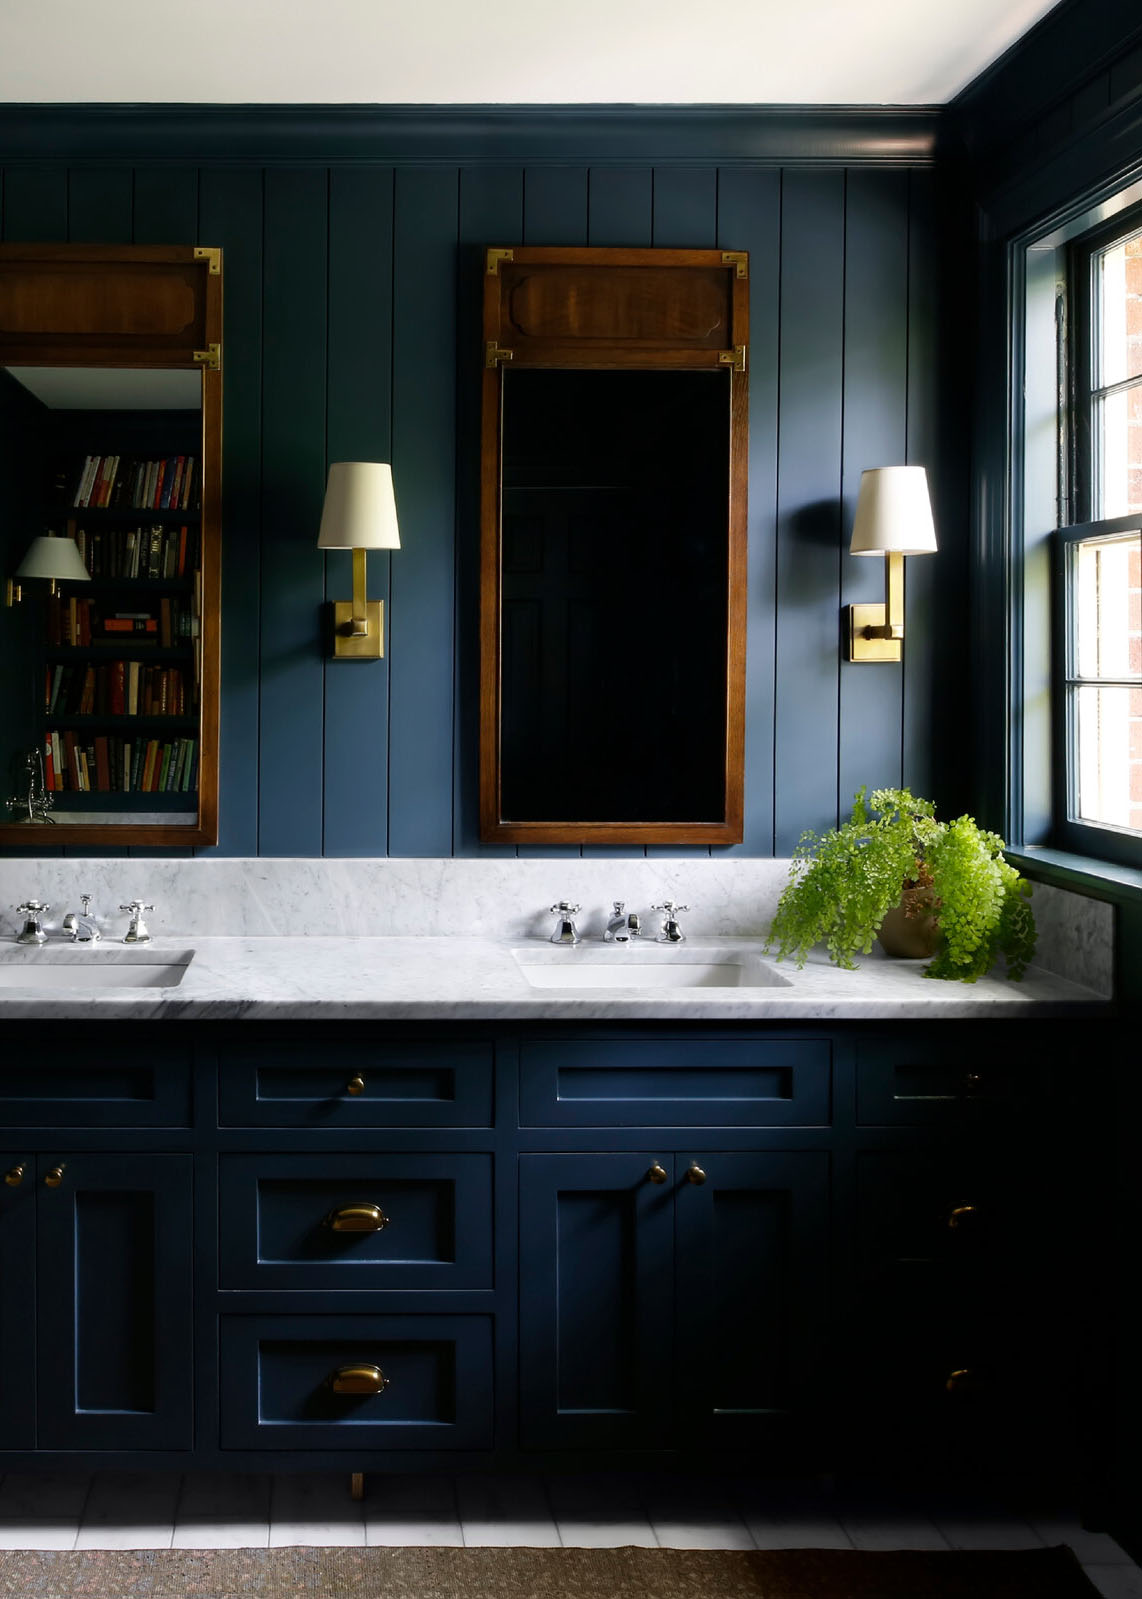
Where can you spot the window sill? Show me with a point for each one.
(1082, 874)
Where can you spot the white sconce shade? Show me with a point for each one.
(53, 557)
(360, 511)
(894, 513)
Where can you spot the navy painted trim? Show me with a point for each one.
(472, 135)
(1052, 60)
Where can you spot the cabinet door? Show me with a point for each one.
(17, 1304)
(114, 1301)
(751, 1257)
(596, 1301)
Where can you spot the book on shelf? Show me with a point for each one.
(157, 484)
(157, 551)
(117, 688)
(107, 764)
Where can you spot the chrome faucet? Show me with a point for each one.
(32, 933)
(671, 932)
(136, 933)
(82, 927)
(566, 932)
(621, 929)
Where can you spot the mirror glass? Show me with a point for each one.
(102, 701)
(614, 592)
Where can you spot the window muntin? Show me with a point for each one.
(1116, 377)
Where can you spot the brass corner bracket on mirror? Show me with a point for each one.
(614, 468)
(110, 510)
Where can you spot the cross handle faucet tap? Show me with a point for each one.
(137, 932)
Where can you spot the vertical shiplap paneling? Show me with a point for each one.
(874, 430)
(358, 428)
(922, 575)
(809, 480)
(35, 205)
(166, 205)
(164, 211)
(685, 208)
(100, 205)
(491, 212)
(555, 206)
(230, 216)
(620, 205)
(749, 218)
(684, 217)
(555, 212)
(293, 479)
(423, 580)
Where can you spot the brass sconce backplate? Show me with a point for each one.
(870, 649)
(350, 646)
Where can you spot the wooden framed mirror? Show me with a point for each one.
(110, 493)
(613, 546)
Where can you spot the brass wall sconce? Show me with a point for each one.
(359, 514)
(49, 557)
(893, 519)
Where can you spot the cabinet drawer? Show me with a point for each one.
(356, 1221)
(922, 1082)
(278, 1374)
(132, 1080)
(354, 1081)
(675, 1083)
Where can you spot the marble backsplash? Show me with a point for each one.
(491, 898)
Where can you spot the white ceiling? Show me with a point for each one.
(477, 52)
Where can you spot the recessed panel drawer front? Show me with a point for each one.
(356, 1382)
(356, 1082)
(350, 1220)
(136, 1079)
(922, 1082)
(675, 1082)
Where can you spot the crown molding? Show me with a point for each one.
(619, 135)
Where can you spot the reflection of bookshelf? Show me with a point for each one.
(122, 655)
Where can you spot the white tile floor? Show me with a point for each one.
(157, 1510)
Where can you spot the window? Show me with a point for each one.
(1099, 556)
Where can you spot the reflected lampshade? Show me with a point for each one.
(360, 511)
(51, 556)
(894, 513)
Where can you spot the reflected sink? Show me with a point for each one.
(637, 967)
(54, 966)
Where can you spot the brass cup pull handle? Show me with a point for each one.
(356, 1219)
(55, 1176)
(960, 1214)
(973, 1082)
(657, 1173)
(695, 1174)
(355, 1085)
(14, 1177)
(359, 1380)
(963, 1381)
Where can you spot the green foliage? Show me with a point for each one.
(843, 883)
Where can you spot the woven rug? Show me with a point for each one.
(539, 1574)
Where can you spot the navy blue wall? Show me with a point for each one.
(352, 303)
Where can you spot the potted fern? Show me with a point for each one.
(948, 879)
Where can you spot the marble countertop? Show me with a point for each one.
(446, 979)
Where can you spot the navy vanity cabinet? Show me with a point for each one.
(97, 1259)
(670, 1300)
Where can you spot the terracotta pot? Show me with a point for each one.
(910, 937)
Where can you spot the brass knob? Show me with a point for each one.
(657, 1173)
(963, 1381)
(695, 1174)
(355, 1085)
(55, 1176)
(14, 1177)
(356, 1219)
(972, 1082)
(359, 1380)
(960, 1214)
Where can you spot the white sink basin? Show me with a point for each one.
(55, 966)
(637, 967)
